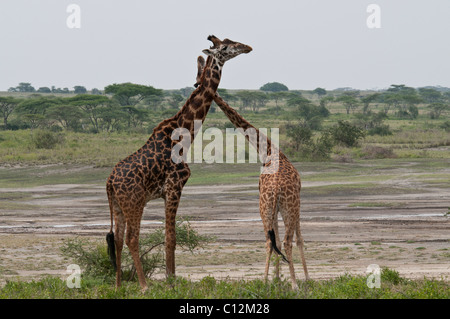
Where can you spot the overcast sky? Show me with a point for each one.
(303, 44)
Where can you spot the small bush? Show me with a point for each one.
(343, 158)
(377, 152)
(322, 147)
(46, 139)
(346, 134)
(306, 146)
(446, 126)
(392, 276)
(381, 130)
(95, 262)
(299, 135)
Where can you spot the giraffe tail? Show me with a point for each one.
(110, 235)
(274, 245)
(111, 249)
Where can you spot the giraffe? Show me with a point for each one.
(279, 191)
(150, 172)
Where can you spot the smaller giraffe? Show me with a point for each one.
(279, 189)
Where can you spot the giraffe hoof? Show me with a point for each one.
(143, 290)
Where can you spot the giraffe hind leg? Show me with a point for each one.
(269, 250)
(301, 247)
(115, 239)
(132, 241)
(277, 260)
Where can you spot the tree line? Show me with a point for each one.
(128, 106)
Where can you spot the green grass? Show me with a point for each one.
(343, 287)
(100, 150)
(362, 177)
(31, 176)
(207, 174)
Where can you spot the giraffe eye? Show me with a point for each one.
(225, 47)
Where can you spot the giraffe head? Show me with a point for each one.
(226, 49)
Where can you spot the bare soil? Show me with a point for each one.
(401, 223)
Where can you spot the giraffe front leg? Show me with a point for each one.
(172, 194)
(172, 201)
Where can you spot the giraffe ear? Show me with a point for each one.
(207, 52)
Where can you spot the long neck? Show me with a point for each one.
(198, 103)
(197, 106)
(239, 122)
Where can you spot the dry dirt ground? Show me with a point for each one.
(400, 222)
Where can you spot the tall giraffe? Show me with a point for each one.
(150, 172)
(279, 191)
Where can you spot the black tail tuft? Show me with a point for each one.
(274, 245)
(111, 249)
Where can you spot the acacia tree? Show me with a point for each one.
(430, 95)
(246, 99)
(438, 108)
(326, 100)
(25, 87)
(259, 100)
(66, 114)
(112, 117)
(350, 102)
(78, 89)
(277, 96)
(274, 87)
(134, 116)
(175, 100)
(130, 94)
(309, 115)
(404, 98)
(34, 110)
(367, 100)
(7, 105)
(44, 89)
(320, 92)
(91, 105)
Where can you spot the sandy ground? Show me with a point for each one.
(408, 231)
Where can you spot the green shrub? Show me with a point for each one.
(446, 126)
(377, 152)
(46, 139)
(299, 135)
(392, 276)
(346, 134)
(382, 130)
(95, 262)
